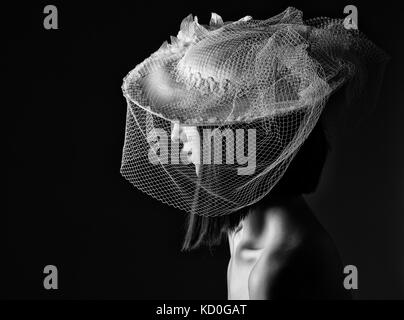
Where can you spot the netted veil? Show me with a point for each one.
(251, 90)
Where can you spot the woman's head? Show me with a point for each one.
(301, 177)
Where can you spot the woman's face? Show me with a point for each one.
(189, 137)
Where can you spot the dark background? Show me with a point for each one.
(67, 204)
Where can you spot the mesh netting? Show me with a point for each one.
(215, 117)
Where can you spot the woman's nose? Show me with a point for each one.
(178, 133)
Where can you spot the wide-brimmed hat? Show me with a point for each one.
(272, 75)
(245, 70)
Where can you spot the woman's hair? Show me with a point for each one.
(302, 176)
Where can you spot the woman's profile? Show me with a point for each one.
(225, 124)
(278, 248)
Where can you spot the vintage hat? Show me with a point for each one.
(272, 75)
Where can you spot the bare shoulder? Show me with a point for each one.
(298, 260)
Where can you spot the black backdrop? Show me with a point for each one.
(67, 204)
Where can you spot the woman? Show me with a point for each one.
(244, 99)
(278, 248)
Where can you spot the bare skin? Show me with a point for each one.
(281, 251)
